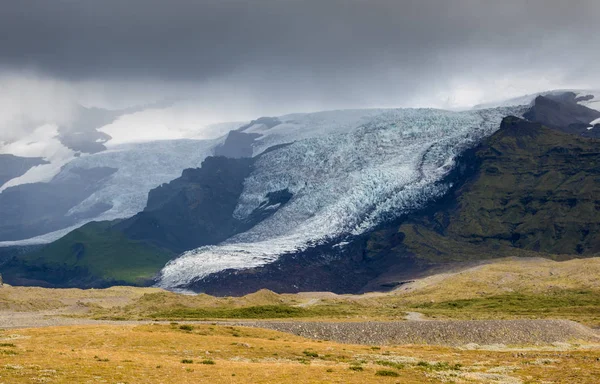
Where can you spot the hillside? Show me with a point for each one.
(507, 288)
(91, 256)
(535, 189)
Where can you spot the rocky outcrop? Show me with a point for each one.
(563, 113)
(237, 145)
(193, 210)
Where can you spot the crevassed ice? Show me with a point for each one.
(345, 182)
(141, 167)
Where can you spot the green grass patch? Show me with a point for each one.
(391, 364)
(98, 250)
(563, 302)
(386, 373)
(254, 312)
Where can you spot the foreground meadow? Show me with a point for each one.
(184, 353)
(414, 334)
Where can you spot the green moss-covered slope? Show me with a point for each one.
(534, 190)
(94, 255)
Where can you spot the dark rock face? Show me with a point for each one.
(193, 210)
(14, 166)
(237, 145)
(273, 201)
(30, 210)
(197, 208)
(563, 113)
(269, 122)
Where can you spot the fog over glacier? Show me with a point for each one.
(359, 169)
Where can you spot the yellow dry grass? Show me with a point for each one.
(36, 299)
(156, 354)
(507, 275)
(530, 276)
(126, 353)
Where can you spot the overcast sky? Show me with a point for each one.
(242, 59)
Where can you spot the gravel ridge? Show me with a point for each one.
(440, 332)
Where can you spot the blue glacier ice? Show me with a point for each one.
(348, 171)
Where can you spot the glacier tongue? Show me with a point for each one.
(345, 180)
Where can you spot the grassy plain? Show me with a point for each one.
(179, 350)
(180, 353)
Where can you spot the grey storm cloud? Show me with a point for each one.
(200, 39)
(367, 51)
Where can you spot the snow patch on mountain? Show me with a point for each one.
(348, 171)
(42, 142)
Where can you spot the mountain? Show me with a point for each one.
(342, 200)
(527, 190)
(534, 188)
(124, 193)
(69, 160)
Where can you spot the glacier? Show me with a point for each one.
(140, 168)
(348, 171)
(127, 189)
